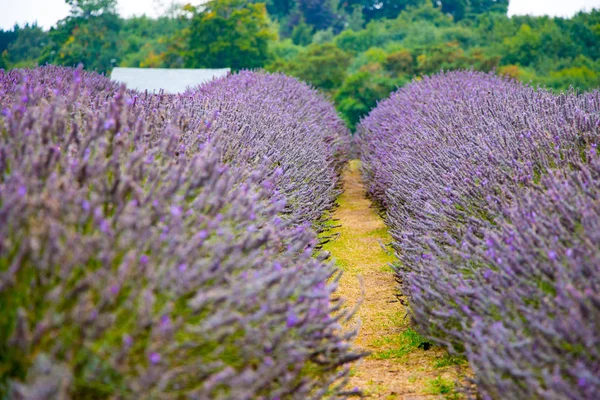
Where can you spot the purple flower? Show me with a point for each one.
(292, 319)
(176, 211)
(109, 124)
(569, 252)
(154, 358)
(127, 340)
(104, 226)
(165, 322)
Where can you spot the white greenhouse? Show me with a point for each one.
(168, 79)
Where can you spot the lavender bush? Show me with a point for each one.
(453, 159)
(289, 122)
(133, 264)
(253, 116)
(535, 317)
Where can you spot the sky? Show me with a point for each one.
(48, 12)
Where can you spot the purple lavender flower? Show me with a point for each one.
(154, 358)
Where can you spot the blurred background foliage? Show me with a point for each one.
(357, 51)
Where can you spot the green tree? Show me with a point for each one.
(582, 78)
(322, 14)
(228, 33)
(7, 37)
(356, 20)
(323, 66)
(302, 34)
(3, 61)
(278, 9)
(400, 62)
(374, 55)
(361, 91)
(483, 6)
(89, 35)
(523, 48)
(285, 50)
(529, 47)
(26, 48)
(427, 13)
(325, 36)
(375, 34)
(94, 44)
(86, 9)
(145, 41)
(377, 9)
(178, 42)
(457, 8)
(584, 30)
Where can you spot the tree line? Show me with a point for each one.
(357, 51)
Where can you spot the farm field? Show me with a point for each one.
(491, 192)
(158, 246)
(223, 244)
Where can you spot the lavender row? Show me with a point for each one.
(255, 117)
(489, 190)
(135, 264)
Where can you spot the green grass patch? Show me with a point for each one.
(448, 360)
(441, 386)
(386, 268)
(380, 233)
(398, 346)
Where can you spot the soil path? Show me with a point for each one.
(397, 367)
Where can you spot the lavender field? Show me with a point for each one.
(490, 190)
(171, 246)
(157, 246)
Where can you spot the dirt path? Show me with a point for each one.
(397, 367)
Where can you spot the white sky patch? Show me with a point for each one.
(558, 8)
(48, 12)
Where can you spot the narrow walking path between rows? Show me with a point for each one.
(398, 367)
